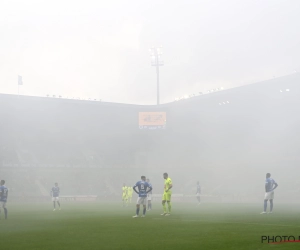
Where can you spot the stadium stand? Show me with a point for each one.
(240, 131)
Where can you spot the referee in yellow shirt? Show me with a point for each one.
(167, 195)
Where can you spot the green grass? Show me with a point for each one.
(109, 226)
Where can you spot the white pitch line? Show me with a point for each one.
(261, 224)
(244, 223)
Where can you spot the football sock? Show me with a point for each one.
(137, 211)
(144, 211)
(54, 204)
(169, 206)
(58, 203)
(271, 205)
(164, 206)
(265, 205)
(5, 212)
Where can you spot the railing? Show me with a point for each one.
(78, 198)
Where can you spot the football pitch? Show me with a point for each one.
(110, 226)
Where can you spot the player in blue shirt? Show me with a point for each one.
(3, 197)
(55, 195)
(143, 188)
(270, 185)
(198, 192)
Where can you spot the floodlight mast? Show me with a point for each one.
(156, 61)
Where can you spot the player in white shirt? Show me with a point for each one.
(149, 198)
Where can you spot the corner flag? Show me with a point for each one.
(20, 82)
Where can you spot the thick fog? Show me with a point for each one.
(227, 140)
(99, 49)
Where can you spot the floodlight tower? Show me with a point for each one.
(156, 60)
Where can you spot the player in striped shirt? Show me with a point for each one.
(143, 188)
(55, 195)
(3, 197)
(270, 185)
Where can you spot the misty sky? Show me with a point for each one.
(100, 49)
